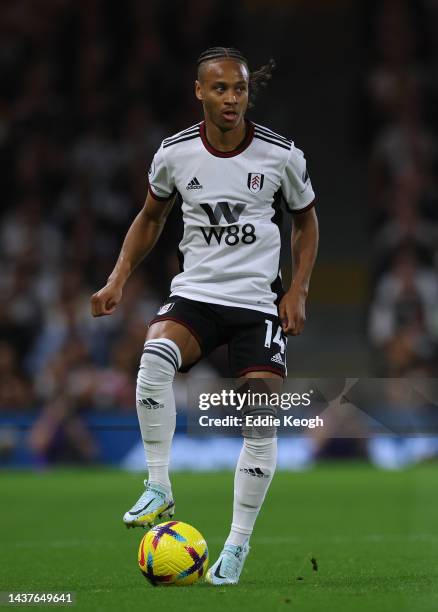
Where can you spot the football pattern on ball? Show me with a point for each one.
(173, 553)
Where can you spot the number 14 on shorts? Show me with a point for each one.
(278, 338)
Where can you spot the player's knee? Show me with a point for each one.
(160, 360)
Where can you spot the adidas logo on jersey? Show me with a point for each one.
(254, 472)
(194, 184)
(277, 358)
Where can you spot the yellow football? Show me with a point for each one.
(173, 553)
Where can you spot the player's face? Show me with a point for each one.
(223, 89)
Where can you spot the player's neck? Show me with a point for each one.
(225, 141)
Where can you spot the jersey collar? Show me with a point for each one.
(239, 149)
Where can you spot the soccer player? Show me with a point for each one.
(231, 176)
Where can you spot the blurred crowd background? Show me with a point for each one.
(400, 130)
(87, 93)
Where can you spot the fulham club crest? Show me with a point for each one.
(255, 181)
(165, 308)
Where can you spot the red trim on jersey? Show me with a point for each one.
(158, 197)
(261, 368)
(186, 325)
(305, 209)
(239, 149)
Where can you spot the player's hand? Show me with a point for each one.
(292, 312)
(105, 301)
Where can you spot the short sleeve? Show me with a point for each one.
(161, 186)
(295, 183)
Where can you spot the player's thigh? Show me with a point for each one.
(186, 342)
(258, 346)
(193, 327)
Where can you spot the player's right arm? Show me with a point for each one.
(139, 242)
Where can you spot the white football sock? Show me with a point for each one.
(254, 472)
(156, 405)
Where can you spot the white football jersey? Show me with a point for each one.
(230, 250)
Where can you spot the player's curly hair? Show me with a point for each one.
(257, 78)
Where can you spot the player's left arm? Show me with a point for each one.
(304, 239)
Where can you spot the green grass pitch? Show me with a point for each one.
(374, 535)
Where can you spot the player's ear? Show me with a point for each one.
(198, 91)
